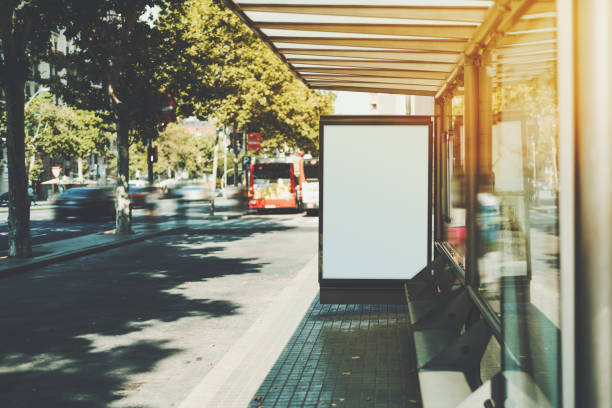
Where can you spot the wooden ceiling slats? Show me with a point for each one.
(389, 43)
(385, 73)
(415, 30)
(415, 66)
(383, 55)
(441, 13)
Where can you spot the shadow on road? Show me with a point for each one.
(73, 332)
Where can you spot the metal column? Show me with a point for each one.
(593, 277)
(471, 125)
(485, 131)
(439, 119)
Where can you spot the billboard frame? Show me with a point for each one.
(371, 291)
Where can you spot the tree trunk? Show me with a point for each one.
(122, 224)
(214, 175)
(20, 244)
(80, 167)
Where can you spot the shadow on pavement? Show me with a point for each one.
(73, 332)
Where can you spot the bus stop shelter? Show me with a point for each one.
(515, 306)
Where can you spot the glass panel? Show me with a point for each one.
(455, 231)
(518, 213)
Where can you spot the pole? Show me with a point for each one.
(224, 180)
(593, 222)
(149, 161)
(236, 159)
(470, 121)
(214, 175)
(246, 153)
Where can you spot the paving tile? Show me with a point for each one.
(348, 355)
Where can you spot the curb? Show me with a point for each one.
(63, 256)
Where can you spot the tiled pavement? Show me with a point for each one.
(345, 356)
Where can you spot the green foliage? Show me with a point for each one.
(62, 132)
(115, 63)
(227, 73)
(178, 150)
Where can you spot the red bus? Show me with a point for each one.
(274, 183)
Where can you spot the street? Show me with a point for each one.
(140, 325)
(44, 228)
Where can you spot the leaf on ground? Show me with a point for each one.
(346, 373)
(257, 398)
(368, 398)
(355, 357)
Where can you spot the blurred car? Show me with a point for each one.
(140, 196)
(84, 203)
(4, 199)
(194, 194)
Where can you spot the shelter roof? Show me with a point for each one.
(402, 46)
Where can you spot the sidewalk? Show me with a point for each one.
(58, 251)
(301, 353)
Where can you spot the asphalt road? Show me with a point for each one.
(44, 228)
(141, 325)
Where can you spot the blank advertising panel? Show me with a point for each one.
(374, 198)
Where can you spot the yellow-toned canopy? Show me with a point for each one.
(413, 47)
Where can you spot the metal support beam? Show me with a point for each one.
(446, 126)
(439, 119)
(391, 43)
(593, 280)
(471, 124)
(439, 13)
(461, 32)
(485, 131)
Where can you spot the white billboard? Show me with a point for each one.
(375, 197)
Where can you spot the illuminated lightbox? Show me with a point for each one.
(374, 199)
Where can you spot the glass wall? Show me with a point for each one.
(518, 240)
(455, 231)
(516, 203)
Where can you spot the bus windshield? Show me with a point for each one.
(272, 171)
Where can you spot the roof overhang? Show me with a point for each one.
(401, 46)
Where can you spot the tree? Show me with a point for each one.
(25, 31)
(110, 70)
(178, 151)
(227, 73)
(61, 132)
(113, 69)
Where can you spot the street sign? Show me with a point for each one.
(55, 171)
(246, 162)
(254, 141)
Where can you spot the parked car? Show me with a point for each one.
(4, 200)
(84, 203)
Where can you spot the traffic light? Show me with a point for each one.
(152, 154)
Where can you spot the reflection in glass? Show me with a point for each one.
(455, 231)
(518, 215)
